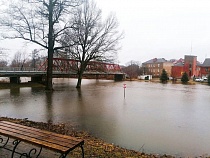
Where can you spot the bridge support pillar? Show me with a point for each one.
(37, 79)
(14, 79)
(118, 77)
(97, 76)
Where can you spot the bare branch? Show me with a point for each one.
(93, 40)
(37, 21)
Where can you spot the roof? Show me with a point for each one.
(206, 63)
(179, 64)
(155, 60)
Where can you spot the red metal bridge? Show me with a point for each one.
(71, 65)
(64, 68)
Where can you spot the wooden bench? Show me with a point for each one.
(62, 144)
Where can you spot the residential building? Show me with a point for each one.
(155, 66)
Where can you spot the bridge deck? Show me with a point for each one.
(31, 73)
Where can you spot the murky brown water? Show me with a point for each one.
(154, 118)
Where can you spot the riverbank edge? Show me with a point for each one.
(7, 85)
(94, 147)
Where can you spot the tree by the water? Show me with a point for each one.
(209, 79)
(164, 76)
(39, 21)
(185, 78)
(132, 69)
(90, 39)
(3, 60)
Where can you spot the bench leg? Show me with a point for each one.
(15, 143)
(33, 151)
(3, 143)
(64, 155)
(83, 154)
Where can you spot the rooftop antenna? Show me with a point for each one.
(191, 48)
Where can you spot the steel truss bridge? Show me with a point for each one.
(63, 68)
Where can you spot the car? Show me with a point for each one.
(197, 79)
(205, 79)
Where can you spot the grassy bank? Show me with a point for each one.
(94, 147)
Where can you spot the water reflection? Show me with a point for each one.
(49, 107)
(169, 118)
(15, 92)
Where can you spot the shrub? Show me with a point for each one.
(164, 76)
(184, 78)
(209, 79)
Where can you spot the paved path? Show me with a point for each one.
(23, 147)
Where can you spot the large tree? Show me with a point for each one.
(92, 39)
(39, 21)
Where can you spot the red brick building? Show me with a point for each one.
(204, 69)
(189, 66)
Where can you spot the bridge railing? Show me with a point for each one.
(18, 69)
(71, 65)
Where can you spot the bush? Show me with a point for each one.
(209, 79)
(164, 76)
(184, 78)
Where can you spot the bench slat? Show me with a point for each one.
(48, 137)
(33, 141)
(38, 130)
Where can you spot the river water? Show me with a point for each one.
(153, 117)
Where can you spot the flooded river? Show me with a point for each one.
(154, 118)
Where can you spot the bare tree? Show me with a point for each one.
(3, 58)
(90, 38)
(132, 69)
(39, 21)
(20, 60)
(3, 63)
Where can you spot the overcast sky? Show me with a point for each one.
(166, 29)
(161, 28)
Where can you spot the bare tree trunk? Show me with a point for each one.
(49, 70)
(80, 74)
(50, 49)
(79, 80)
